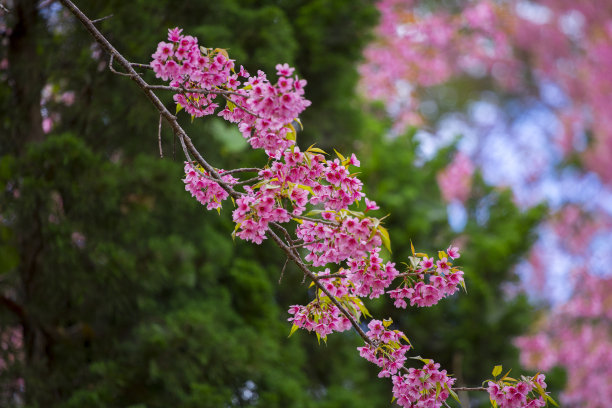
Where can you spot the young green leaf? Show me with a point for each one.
(497, 370)
(293, 329)
(384, 235)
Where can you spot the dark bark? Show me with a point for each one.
(26, 79)
(25, 73)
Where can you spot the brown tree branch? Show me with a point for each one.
(188, 148)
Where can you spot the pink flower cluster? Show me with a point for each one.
(274, 107)
(370, 276)
(517, 395)
(254, 212)
(427, 387)
(302, 178)
(185, 65)
(262, 110)
(444, 280)
(292, 180)
(322, 316)
(205, 190)
(386, 351)
(336, 243)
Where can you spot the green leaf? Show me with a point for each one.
(412, 247)
(234, 232)
(424, 360)
(462, 283)
(362, 307)
(384, 235)
(341, 157)
(551, 400)
(293, 329)
(453, 394)
(292, 134)
(179, 108)
(314, 212)
(315, 150)
(497, 370)
(307, 188)
(358, 214)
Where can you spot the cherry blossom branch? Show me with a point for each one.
(192, 90)
(304, 268)
(189, 147)
(289, 246)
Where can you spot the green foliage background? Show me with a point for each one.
(130, 294)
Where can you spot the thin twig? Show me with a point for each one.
(102, 18)
(3, 7)
(287, 236)
(114, 71)
(193, 90)
(243, 170)
(316, 220)
(469, 389)
(240, 183)
(283, 271)
(303, 244)
(240, 106)
(332, 276)
(401, 275)
(145, 66)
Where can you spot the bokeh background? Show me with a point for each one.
(481, 123)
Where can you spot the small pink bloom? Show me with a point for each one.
(371, 205)
(284, 70)
(453, 252)
(442, 266)
(174, 34)
(427, 263)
